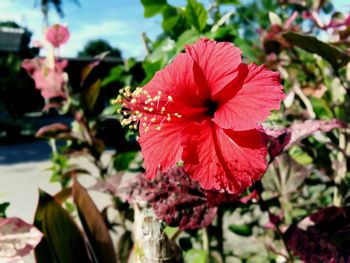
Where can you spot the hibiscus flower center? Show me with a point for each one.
(211, 106)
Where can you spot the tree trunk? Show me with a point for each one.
(151, 243)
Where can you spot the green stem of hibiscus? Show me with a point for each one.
(220, 232)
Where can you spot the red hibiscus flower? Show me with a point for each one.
(57, 35)
(50, 81)
(203, 109)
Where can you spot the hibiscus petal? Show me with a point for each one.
(252, 102)
(224, 159)
(182, 81)
(161, 149)
(218, 61)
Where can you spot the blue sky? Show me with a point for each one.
(118, 21)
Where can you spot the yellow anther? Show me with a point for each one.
(133, 101)
(146, 108)
(150, 109)
(162, 110)
(144, 124)
(168, 118)
(159, 93)
(154, 119)
(158, 128)
(170, 98)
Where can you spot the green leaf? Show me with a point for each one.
(150, 68)
(321, 108)
(170, 231)
(3, 207)
(311, 44)
(196, 14)
(94, 225)
(114, 75)
(227, 2)
(196, 256)
(91, 94)
(153, 7)
(111, 110)
(242, 230)
(122, 160)
(188, 37)
(161, 50)
(300, 156)
(62, 241)
(170, 18)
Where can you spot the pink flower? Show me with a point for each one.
(57, 35)
(204, 110)
(49, 81)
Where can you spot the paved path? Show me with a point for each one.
(23, 169)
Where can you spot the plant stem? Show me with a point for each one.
(220, 233)
(206, 242)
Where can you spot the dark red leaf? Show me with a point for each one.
(57, 130)
(94, 225)
(178, 200)
(322, 237)
(63, 240)
(283, 139)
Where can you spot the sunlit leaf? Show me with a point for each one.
(188, 37)
(196, 15)
(196, 256)
(17, 239)
(299, 155)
